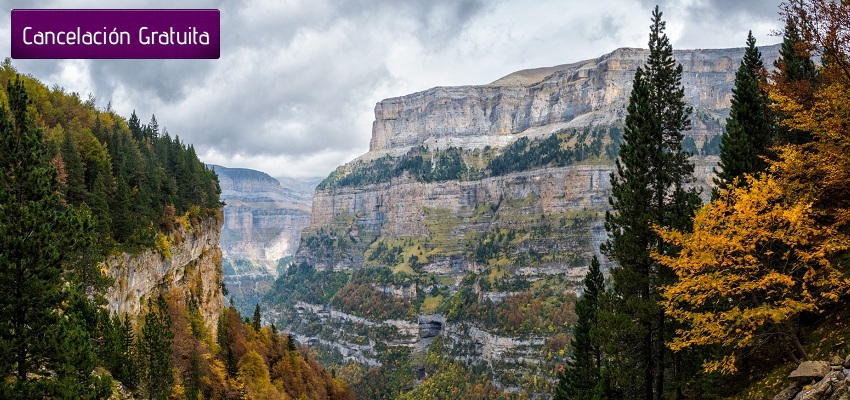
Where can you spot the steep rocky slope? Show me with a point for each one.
(191, 263)
(475, 211)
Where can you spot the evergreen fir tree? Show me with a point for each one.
(749, 128)
(119, 350)
(648, 188)
(75, 188)
(155, 349)
(135, 126)
(580, 379)
(99, 204)
(192, 377)
(796, 72)
(230, 362)
(43, 317)
(290, 342)
(255, 321)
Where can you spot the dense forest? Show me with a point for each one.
(77, 184)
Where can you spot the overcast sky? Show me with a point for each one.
(295, 89)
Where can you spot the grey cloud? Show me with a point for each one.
(298, 80)
(723, 12)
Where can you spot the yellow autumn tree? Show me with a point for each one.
(820, 169)
(766, 252)
(755, 260)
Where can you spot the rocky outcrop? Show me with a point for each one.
(194, 264)
(809, 370)
(818, 380)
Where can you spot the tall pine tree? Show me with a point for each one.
(648, 188)
(75, 189)
(580, 380)
(749, 128)
(256, 319)
(155, 349)
(43, 315)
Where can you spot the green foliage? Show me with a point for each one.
(155, 350)
(750, 127)
(581, 380)
(798, 74)
(390, 380)
(711, 147)
(422, 163)
(46, 321)
(525, 313)
(128, 174)
(648, 188)
(304, 283)
(525, 154)
(265, 364)
(119, 350)
(437, 165)
(359, 298)
(255, 320)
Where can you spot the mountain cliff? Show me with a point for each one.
(192, 262)
(263, 220)
(474, 214)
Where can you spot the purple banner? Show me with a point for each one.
(132, 34)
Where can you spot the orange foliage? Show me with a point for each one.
(266, 368)
(755, 260)
(763, 254)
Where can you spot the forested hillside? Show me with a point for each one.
(79, 184)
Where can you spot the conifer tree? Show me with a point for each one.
(193, 375)
(155, 349)
(255, 321)
(648, 188)
(75, 189)
(796, 75)
(580, 379)
(749, 128)
(42, 315)
(135, 126)
(119, 351)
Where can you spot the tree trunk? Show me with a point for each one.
(659, 358)
(677, 375)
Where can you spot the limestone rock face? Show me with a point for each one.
(592, 92)
(262, 218)
(826, 388)
(195, 260)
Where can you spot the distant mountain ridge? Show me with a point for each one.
(262, 218)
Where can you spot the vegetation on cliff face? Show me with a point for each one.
(423, 164)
